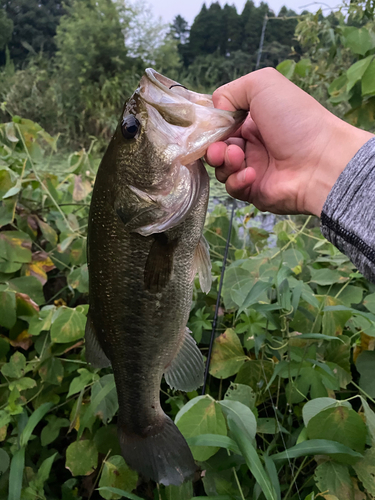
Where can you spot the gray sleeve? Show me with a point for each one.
(348, 215)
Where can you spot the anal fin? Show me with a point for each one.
(94, 353)
(202, 265)
(186, 370)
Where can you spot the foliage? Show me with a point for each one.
(34, 24)
(73, 76)
(289, 409)
(6, 28)
(338, 66)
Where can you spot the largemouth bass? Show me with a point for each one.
(145, 246)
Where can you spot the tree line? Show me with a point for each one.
(70, 64)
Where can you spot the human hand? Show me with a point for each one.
(290, 150)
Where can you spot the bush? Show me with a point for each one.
(289, 404)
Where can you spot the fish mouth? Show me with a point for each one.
(181, 121)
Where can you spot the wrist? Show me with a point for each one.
(341, 145)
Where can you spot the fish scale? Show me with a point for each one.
(145, 245)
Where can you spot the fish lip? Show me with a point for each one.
(150, 73)
(158, 79)
(185, 120)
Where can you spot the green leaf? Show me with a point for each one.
(8, 315)
(106, 439)
(51, 431)
(317, 405)
(183, 492)
(256, 373)
(358, 40)
(16, 366)
(198, 323)
(243, 440)
(337, 89)
(242, 393)
(104, 398)
(102, 389)
(334, 320)
(370, 419)
(356, 71)
(48, 232)
(286, 68)
(15, 246)
(81, 458)
(52, 371)
(227, 355)
(365, 365)
(368, 80)
(4, 461)
(68, 326)
(365, 470)
(325, 276)
(44, 471)
(270, 426)
(242, 413)
(5, 418)
(42, 322)
(29, 285)
(78, 383)
(214, 440)
(316, 447)
(116, 474)
(23, 383)
(201, 415)
(369, 302)
(252, 297)
(339, 424)
(79, 279)
(303, 67)
(334, 479)
(117, 491)
(7, 211)
(33, 421)
(16, 474)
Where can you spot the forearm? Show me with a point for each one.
(348, 215)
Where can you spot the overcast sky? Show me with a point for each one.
(188, 9)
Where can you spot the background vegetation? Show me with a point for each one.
(289, 410)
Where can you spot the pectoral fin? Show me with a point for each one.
(202, 265)
(159, 264)
(94, 353)
(186, 370)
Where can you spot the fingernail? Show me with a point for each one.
(242, 176)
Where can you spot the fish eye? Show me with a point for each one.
(130, 127)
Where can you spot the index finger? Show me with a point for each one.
(239, 93)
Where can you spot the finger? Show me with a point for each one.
(237, 141)
(234, 160)
(215, 154)
(239, 184)
(239, 93)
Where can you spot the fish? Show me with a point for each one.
(145, 247)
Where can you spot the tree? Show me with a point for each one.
(6, 28)
(206, 33)
(90, 41)
(252, 22)
(232, 32)
(34, 26)
(180, 29)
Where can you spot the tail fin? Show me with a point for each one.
(162, 455)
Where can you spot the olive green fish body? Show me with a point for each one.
(145, 246)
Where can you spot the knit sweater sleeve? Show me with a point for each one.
(348, 215)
